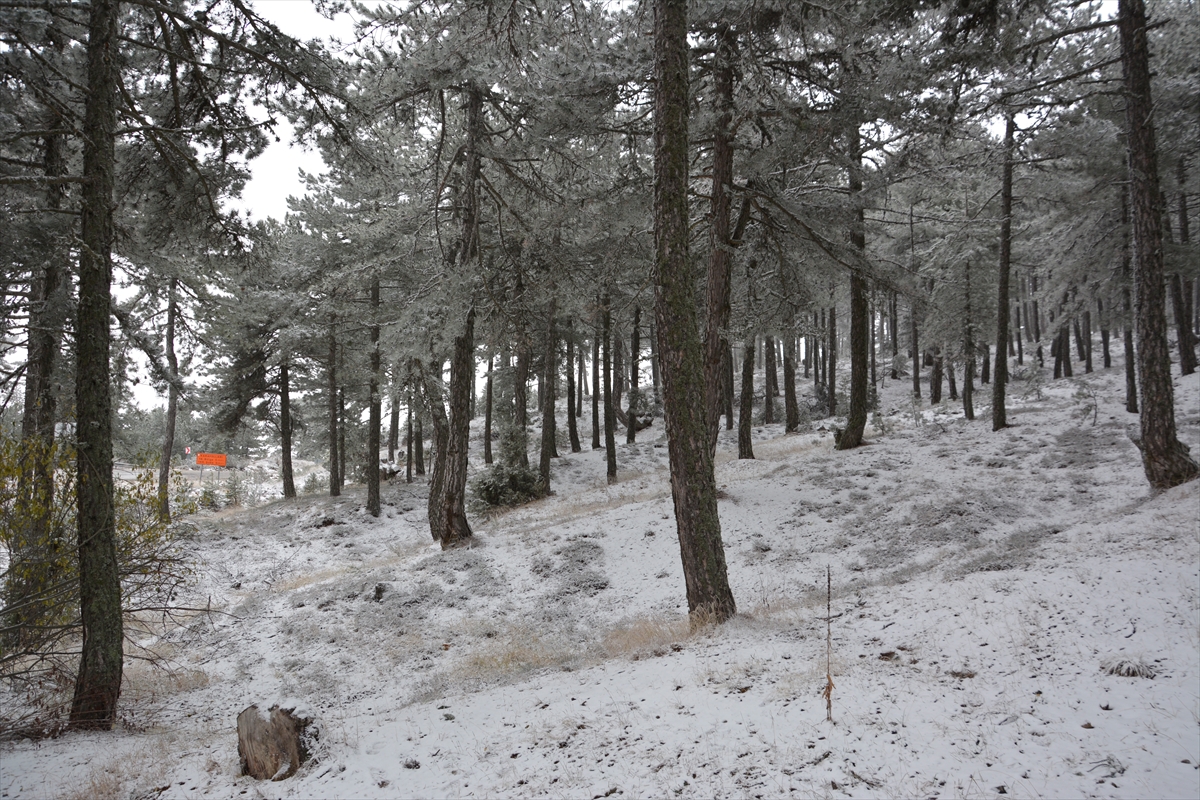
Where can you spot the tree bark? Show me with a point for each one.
(375, 412)
(341, 428)
(634, 399)
(335, 482)
(610, 409)
(393, 437)
(572, 408)
(727, 379)
(285, 430)
(831, 358)
(98, 681)
(856, 419)
(791, 407)
(164, 469)
(935, 378)
(720, 248)
(746, 402)
(1000, 372)
(596, 389)
(487, 412)
(1164, 458)
(1131, 403)
(769, 382)
(408, 443)
(693, 483)
(916, 353)
(549, 377)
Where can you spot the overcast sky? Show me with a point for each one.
(277, 171)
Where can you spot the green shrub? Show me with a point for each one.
(506, 486)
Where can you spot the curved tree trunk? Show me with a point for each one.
(1164, 457)
(693, 483)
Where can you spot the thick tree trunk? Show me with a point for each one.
(950, 380)
(1000, 373)
(285, 430)
(916, 353)
(986, 364)
(408, 443)
(549, 378)
(1105, 335)
(727, 379)
(572, 413)
(419, 444)
(720, 248)
(1183, 326)
(520, 427)
(831, 359)
(1131, 403)
(596, 389)
(610, 408)
(375, 412)
(894, 330)
(335, 482)
(164, 468)
(634, 399)
(746, 402)
(487, 411)
(769, 382)
(98, 681)
(693, 483)
(935, 378)
(456, 531)
(1164, 457)
(341, 429)
(393, 437)
(856, 419)
(790, 405)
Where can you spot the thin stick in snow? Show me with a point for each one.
(828, 693)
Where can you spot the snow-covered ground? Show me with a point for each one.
(983, 583)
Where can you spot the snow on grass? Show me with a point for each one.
(1013, 613)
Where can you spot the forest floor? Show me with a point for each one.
(984, 586)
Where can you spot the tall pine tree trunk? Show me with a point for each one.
(770, 380)
(1131, 403)
(98, 681)
(549, 378)
(746, 401)
(572, 407)
(1000, 372)
(856, 418)
(635, 344)
(375, 412)
(285, 430)
(693, 483)
(455, 530)
(1164, 457)
(335, 482)
(164, 469)
(596, 388)
(831, 362)
(791, 408)
(610, 407)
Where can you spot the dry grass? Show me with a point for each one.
(1129, 668)
(514, 651)
(646, 636)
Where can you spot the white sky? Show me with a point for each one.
(276, 173)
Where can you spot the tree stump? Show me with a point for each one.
(272, 745)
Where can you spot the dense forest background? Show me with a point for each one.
(966, 193)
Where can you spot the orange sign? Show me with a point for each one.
(210, 459)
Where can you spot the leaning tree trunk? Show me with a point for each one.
(1000, 372)
(746, 401)
(98, 681)
(164, 469)
(1164, 458)
(375, 412)
(285, 430)
(693, 482)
